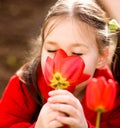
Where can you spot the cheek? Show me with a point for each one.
(43, 60)
(90, 69)
(90, 65)
(44, 56)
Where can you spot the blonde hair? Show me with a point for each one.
(83, 10)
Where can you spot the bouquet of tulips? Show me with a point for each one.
(65, 72)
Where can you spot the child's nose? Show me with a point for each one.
(68, 52)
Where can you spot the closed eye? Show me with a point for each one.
(77, 54)
(51, 51)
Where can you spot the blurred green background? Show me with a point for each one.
(20, 21)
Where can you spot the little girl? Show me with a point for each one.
(80, 28)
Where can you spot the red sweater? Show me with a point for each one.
(18, 108)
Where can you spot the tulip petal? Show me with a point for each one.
(99, 92)
(83, 77)
(48, 70)
(59, 56)
(72, 68)
(92, 97)
(110, 91)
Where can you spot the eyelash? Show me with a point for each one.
(51, 51)
(78, 54)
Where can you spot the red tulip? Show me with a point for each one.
(64, 72)
(100, 94)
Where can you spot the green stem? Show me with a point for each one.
(59, 86)
(98, 119)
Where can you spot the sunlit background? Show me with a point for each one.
(20, 21)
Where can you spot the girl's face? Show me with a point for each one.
(75, 38)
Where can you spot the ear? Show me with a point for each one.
(102, 60)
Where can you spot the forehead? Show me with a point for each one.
(62, 24)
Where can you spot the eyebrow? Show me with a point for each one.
(74, 44)
(51, 42)
(78, 44)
